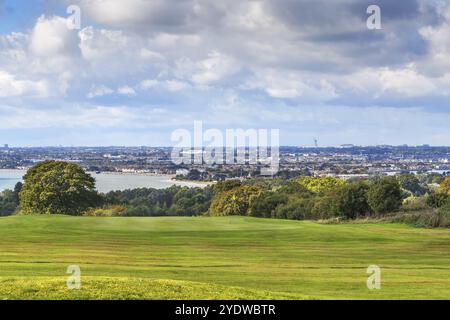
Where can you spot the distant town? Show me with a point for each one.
(346, 161)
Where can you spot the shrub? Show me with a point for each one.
(444, 216)
(411, 184)
(437, 200)
(444, 186)
(299, 209)
(108, 211)
(265, 204)
(415, 204)
(323, 207)
(8, 203)
(233, 202)
(433, 218)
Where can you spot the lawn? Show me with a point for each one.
(218, 258)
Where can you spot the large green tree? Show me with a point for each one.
(384, 195)
(57, 187)
(351, 200)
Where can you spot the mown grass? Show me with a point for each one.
(218, 258)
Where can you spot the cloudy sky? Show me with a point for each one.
(138, 69)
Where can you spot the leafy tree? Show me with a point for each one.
(8, 203)
(411, 183)
(350, 200)
(320, 185)
(173, 201)
(437, 200)
(57, 187)
(324, 207)
(17, 189)
(233, 202)
(265, 204)
(295, 189)
(432, 178)
(384, 195)
(298, 209)
(227, 185)
(444, 187)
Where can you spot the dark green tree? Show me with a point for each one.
(266, 203)
(227, 185)
(437, 200)
(411, 183)
(8, 203)
(298, 209)
(350, 200)
(384, 195)
(57, 187)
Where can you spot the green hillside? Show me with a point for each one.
(218, 258)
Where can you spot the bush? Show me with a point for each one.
(233, 202)
(299, 209)
(444, 216)
(437, 200)
(350, 200)
(384, 195)
(323, 207)
(444, 186)
(108, 211)
(411, 184)
(8, 203)
(415, 204)
(432, 218)
(265, 204)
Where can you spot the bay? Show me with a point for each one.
(106, 182)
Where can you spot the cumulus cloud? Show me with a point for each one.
(99, 91)
(252, 57)
(10, 86)
(126, 91)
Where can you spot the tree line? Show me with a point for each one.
(56, 187)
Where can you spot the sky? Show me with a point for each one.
(136, 71)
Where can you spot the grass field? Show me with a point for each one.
(218, 258)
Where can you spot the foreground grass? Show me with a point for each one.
(218, 258)
(121, 288)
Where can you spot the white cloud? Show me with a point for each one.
(10, 86)
(99, 91)
(175, 85)
(406, 81)
(126, 91)
(215, 67)
(51, 36)
(148, 84)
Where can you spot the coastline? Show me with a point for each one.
(163, 178)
